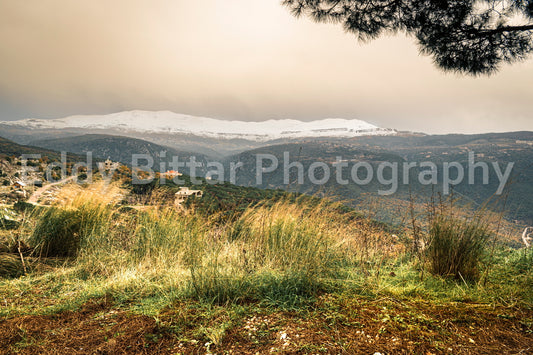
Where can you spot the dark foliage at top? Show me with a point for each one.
(472, 37)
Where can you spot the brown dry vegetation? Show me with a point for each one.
(334, 325)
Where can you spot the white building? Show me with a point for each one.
(184, 193)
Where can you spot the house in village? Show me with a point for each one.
(18, 185)
(184, 193)
(18, 190)
(110, 165)
(171, 174)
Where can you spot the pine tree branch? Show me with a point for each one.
(506, 29)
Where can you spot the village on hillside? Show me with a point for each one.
(18, 184)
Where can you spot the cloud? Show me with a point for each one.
(238, 59)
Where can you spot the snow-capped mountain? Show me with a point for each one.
(166, 122)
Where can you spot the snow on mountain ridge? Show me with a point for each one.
(170, 122)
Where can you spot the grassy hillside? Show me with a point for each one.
(281, 277)
(222, 199)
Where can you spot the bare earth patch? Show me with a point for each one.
(332, 325)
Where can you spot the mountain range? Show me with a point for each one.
(164, 124)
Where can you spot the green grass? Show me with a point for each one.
(277, 254)
(456, 246)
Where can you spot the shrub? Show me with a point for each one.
(456, 246)
(10, 266)
(159, 235)
(58, 233)
(80, 218)
(22, 206)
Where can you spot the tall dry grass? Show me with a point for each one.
(78, 216)
(281, 252)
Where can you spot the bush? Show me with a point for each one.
(82, 220)
(456, 247)
(22, 206)
(10, 266)
(62, 232)
(210, 283)
(8, 224)
(57, 233)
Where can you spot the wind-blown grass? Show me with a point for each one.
(277, 253)
(68, 226)
(281, 253)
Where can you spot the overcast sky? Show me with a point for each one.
(236, 59)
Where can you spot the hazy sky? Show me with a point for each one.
(235, 59)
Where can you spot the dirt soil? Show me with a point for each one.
(330, 327)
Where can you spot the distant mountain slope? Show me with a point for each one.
(10, 148)
(173, 123)
(308, 153)
(413, 141)
(117, 148)
(503, 149)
